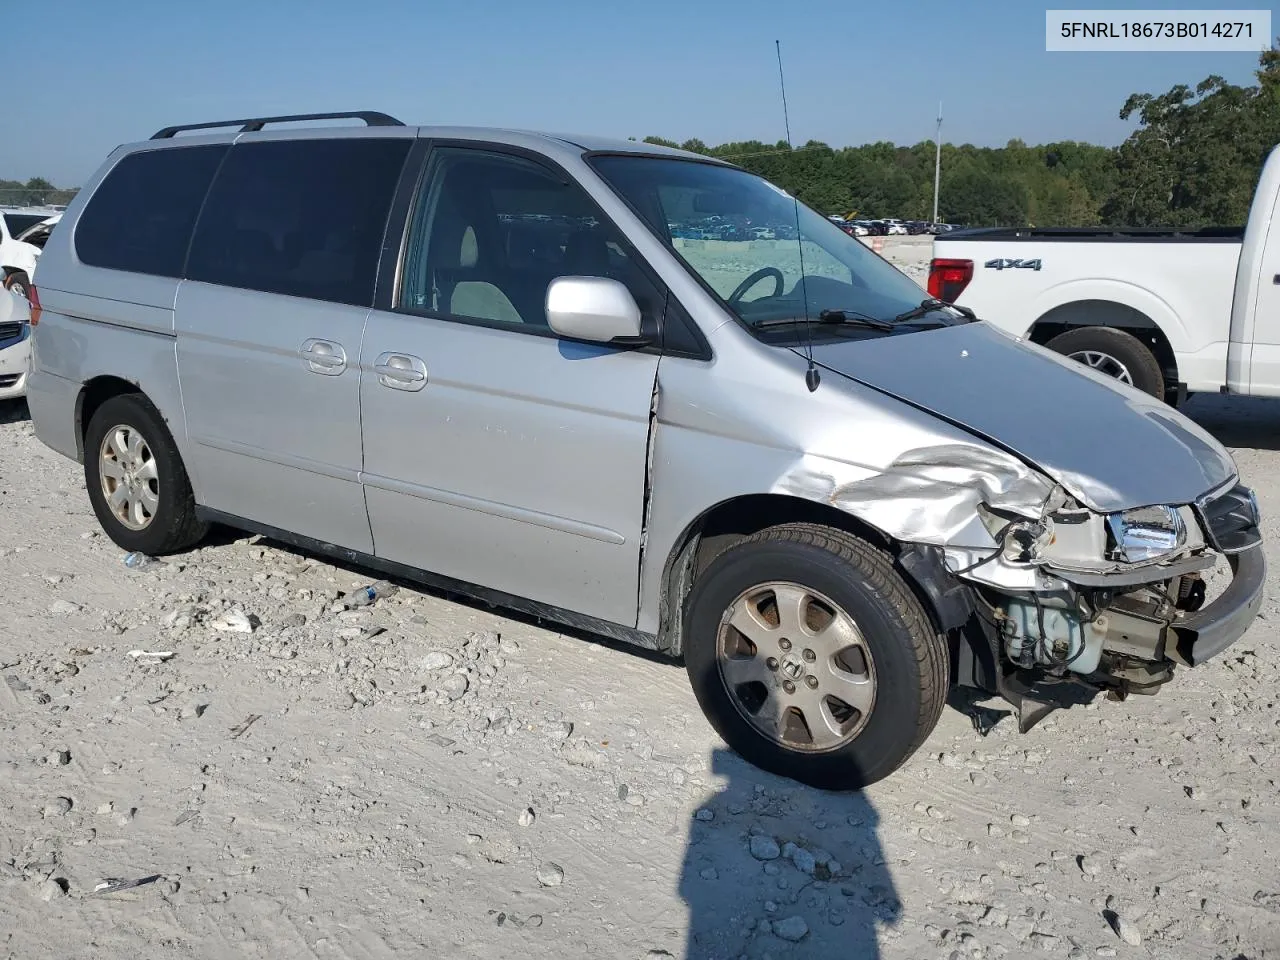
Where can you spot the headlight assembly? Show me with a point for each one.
(1025, 540)
(1146, 534)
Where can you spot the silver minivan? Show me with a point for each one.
(498, 362)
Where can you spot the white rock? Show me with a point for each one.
(1126, 930)
(550, 875)
(57, 807)
(435, 660)
(793, 929)
(559, 731)
(764, 848)
(53, 890)
(455, 686)
(233, 621)
(804, 860)
(527, 816)
(705, 815)
(62, 608)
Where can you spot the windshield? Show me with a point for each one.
(738, 232)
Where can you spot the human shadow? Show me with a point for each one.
(775, 868)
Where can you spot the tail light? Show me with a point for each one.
(948, 278)
(34, 300)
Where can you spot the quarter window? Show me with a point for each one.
(490, 233)
(300, 217)
(140, 217)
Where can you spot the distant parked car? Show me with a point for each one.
(762, 233)
(18, 258)
(15, 345)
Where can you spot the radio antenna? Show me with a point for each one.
(811, 376)
(782, 82)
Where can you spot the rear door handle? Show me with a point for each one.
(323, 357)
(400, 371)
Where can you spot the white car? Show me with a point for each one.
(895, 227)
(15, 345)
(22, 237)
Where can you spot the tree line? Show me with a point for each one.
(36, 192)
(1193, 160)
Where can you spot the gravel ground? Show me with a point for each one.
(422, 777)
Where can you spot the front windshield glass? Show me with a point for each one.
(738, 232)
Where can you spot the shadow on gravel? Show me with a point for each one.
(14, 411)
(774, 868)
(1248, 422)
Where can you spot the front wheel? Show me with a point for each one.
(812, 658)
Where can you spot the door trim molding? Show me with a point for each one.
(507, 512)
(276, 457)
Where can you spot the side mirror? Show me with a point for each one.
(593, 308)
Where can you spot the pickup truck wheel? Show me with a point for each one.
(812, 658)
(137, 483)
(19, 284)
(1113, 353)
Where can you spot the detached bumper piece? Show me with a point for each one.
(1210, 630)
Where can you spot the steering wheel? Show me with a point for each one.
(778, 283)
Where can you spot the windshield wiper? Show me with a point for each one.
(929, 305)
(830, 317)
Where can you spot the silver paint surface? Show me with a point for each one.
(1111, 446)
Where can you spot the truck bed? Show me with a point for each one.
(1100, 234)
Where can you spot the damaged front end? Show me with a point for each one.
(1076, 602)
(1053, 601)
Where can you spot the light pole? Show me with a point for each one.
(937, 163)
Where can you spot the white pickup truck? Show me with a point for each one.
(1170, 312)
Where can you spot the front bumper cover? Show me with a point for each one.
(1210, 630)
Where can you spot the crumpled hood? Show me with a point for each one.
(1110, 446)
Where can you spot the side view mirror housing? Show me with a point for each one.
(597, 309)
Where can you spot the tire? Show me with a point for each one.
(901, 654)
(1115, 351)
(166, 521)
(19, 283)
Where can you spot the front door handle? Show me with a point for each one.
(399, 371)
(323, 357)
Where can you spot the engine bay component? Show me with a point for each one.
(1038, 634)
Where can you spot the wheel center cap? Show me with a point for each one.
(792, 667)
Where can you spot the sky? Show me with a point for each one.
(105, 73)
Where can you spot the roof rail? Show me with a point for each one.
(371, 118)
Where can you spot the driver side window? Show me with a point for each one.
(490, 233)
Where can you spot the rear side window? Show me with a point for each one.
(140, 217)
(299, 217)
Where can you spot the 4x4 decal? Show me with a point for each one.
(1000, 263)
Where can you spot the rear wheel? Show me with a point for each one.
(1113, 353)
(812, 658)
(136, 480)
